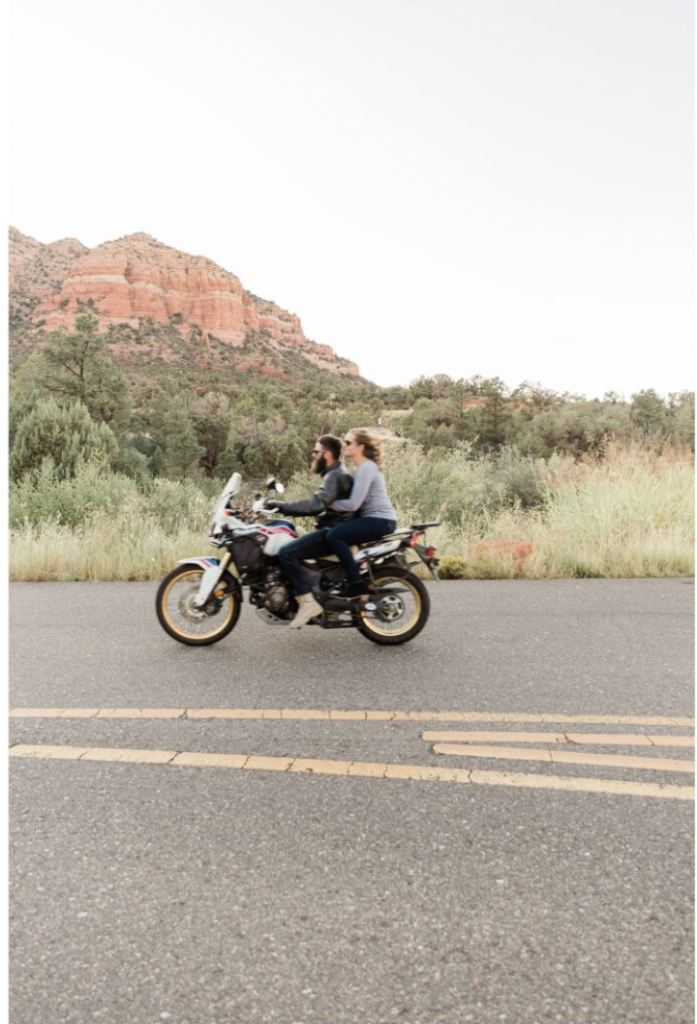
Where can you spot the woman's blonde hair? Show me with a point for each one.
(372, 443)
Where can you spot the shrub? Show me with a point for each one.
(66, 434)
(133, 464)
(46, 496)
(452, 568)
(176, 504)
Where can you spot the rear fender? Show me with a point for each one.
(378, 551)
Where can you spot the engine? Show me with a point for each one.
(274, 594)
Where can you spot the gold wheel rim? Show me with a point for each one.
(195, 574)
(374, 624)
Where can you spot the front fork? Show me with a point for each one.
(211, 576)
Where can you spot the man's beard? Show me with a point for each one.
(319, 465)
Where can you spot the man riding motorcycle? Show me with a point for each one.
(336, 485)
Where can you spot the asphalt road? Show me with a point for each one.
(208, 895)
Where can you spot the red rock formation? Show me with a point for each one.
(137, 277)
(37, 270)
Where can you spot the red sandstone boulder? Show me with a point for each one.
(514, 549)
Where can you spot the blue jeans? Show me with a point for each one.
(312, 545)
(356, 531)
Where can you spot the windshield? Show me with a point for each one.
(230, 489)
(232, 486)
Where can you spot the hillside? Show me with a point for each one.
(159, 307)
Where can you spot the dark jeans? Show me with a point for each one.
(356, 531)
(312, 545)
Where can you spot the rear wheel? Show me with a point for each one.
(402, 607)
(188, 624)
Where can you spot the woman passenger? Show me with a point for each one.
(377, 517)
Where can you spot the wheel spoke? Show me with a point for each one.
(184, 617)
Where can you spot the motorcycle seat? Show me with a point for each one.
(331, 558)
(397, 535)
(335, 558)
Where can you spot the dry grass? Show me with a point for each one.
(105, 548)
(631, 515)
(627, 517)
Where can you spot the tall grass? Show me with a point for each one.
(630, 514)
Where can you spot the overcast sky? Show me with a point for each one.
(502, 187)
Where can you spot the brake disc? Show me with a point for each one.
(390, 608)
(189, 610)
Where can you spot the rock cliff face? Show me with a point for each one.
(137, 280)
(37, 271)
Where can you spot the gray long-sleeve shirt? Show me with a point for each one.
(369, 495)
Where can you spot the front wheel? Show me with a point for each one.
(402, 607)
(188, 624)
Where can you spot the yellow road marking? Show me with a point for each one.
(306, 714)
(41, 750)
(127, 756)
(366, 769)
(663, 764)
(592, 738)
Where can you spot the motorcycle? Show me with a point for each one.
(200, 601)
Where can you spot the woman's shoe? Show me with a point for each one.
(357, 590)
(307, 609)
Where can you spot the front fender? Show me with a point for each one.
(213, 570)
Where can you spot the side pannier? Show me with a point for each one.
(248, 552)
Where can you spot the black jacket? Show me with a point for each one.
(336, 485)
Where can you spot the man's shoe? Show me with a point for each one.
(308, 609)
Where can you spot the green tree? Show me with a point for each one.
(76, 367)
(536, 398)
(211, 424)
(169, 423)
(495, 418)
(157, 463)
(21, 404)
(134, 464)
(573, 428)
(682, 417)
(648, 412)
(264, 437)
(356, 414)
(65, 434)
(183, 451)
